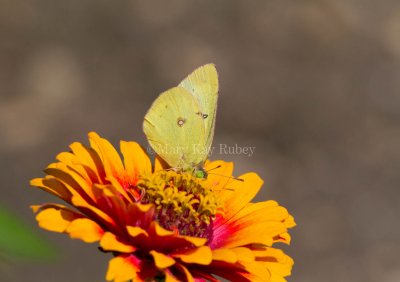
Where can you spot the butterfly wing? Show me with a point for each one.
(203, 85)
(174, 130)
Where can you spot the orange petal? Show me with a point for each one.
(162, 261)
(283, 238)
(54, 218)
(201, 255)
(85, 229)
(278, 263)
(110, 157)
(160, 164)
(70, 161)
(220, 175)
(226, 255)
(135, 231)
(257, 272)
(88, 159)
(239, 193)
(244, 254)
(53, 186)
(123, 268)
(136, 160)
(72, 180)
(110, 242)
(289, 222)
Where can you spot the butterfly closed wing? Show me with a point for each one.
(180, 123)
(203, 84)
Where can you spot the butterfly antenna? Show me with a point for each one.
(218, 166)
(229, 177)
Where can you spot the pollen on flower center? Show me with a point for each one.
(184, 203)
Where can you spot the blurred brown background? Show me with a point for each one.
(314, 85)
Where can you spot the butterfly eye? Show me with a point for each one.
(181, 122)
(205, 116)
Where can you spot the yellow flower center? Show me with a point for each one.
(184, 203)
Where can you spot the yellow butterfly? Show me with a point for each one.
(180, 123)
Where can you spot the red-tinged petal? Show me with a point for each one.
(255, 223)
(169, 277)
(226, 255)
(55, 218)
(85, 229)
(202, 276)
(162, 261)
(111, 202)
(53, 186)
(257, 234)
(110, 242)
(136, 160)
(109, 156)
(94, 213)
(201, 255)
(119, 189)
(182, 273)
(140, 215)
(166, 241)
(123, 268)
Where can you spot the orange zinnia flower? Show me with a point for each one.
(163, 225)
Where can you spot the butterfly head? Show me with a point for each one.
(200, 173)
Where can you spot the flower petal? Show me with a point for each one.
(53, 186)
(226, 255)
(162, 261)
(90, 160)
(182, 273)
(85, 229)
(55, 218)
(160, 164)
(136, 160)
(277, 262)
(220, 174)
(110, 157)
(110, 242)
(256, 223)
(201, 255)
(239, 193)
(244, 254)
(135, 231)
(123, 268)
